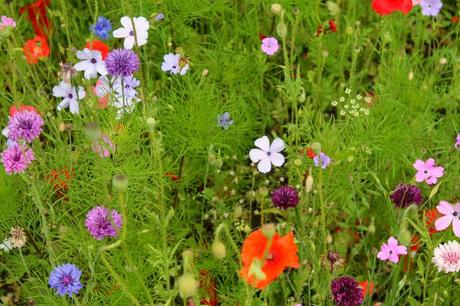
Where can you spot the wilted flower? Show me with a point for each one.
(427, 171)
(18, 237)
(391, 250)
(447, 257)
(17, 158)
(451, 215)
(102, 27)
(285, 197)
(404, 195)
(134, 31)
(65, 279)
(346, 291)
(269, 45)
(102, 222)
(69, 95)
(6, 25)
(332, 261)
(159, 17)
(6, 245)
(266, 155)
(457, 142)
(25, 125)
(67, 71)
(122, 62)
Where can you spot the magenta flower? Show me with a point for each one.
(103, 146)
(25, 125)
(270, 45)
(16, 158)
(391, 250)
(427, 171)
(451, 214)
(457, 143)
(102, 222)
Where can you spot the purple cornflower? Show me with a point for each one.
(122, 62)
(431, 7)
(224, 120)
(25, 125)
(102, 27)
(285, 197)
(100, 224)
(325, 160)
(16, 158)
(404, 195)
(346, 291)
(65, 279)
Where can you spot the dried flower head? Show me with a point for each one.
(332, 261)
(18, 237)
(404, 195)
(67, 71)
(346, 291)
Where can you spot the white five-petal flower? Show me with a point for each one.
(172, 64)
(267, 154)
(70, 95)
(91, 63)
(134, 31)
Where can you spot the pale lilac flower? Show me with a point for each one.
(102, 222)
(17, 158)
(136, 35)
(451, 214)
(26, 125)
(103, 145)
(127, 87)
(267, 154)
(224, 120)
(427, 171)
(65, 279)
(457, 143)
(391, 250)
(174, 64)
(447, 257)
(323, 159)
(431, 7)
(7, 22)
(91, 63)
(70, 96)
(269, 45)
(103, 86)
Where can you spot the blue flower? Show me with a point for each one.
(101, 28)
(323, 159)
(224, 120)
(65, 279)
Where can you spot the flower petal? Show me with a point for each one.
(129, 42)
(277, 145)
(120, 33)
(419, 165)
(437, 171)
(263, 143)
(401, 250)
(126, 23)
(443, 222)
(456, 226)
(264, 165)
(445, 208)
(392, 242)
(256, 155)
(277, 159)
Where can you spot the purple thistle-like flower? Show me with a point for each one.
(65, 279)
(346, 291)
(100, 224)
(285, 197)
(17, 158)
(122, 62)
(404, 195)
(25, 125)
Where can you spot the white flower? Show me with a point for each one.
(6, 245)
(136, 35)
(447, 257)
(267, 154)
(103, 87)
(174, 64)
(347, 91)
(91, 63)
(334, 103)
(70, 95)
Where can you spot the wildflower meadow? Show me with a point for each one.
(230, 152)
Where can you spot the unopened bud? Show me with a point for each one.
(410, 76)
(404, 236)
(187, 285)
(309, 182)
(281, 29)
(443, 61)
(218, 249)
(151, 122)
(238, 212)
(268, 230)
(276, 9)
(120, 183)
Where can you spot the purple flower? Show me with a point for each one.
(451, 214)
(285, 196)
(159, 17)
(25, 125)
(391, 250)
(16, 158)
(122, 62)
(405, 195)
(457, 143)
(103, 146)
(346, 291)
(427, 171)
(323, 158)
(269, 45)
(65, 279)
(101, 28)
(101, 222)
(224, 120)
(431, 7)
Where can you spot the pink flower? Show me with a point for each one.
(270, 45)
(450, 214)
(391, 250)
(457, 143)
(427, 171)
(7, 22)
(103, 146)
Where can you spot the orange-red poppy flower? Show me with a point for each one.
(36, 13)
(98, 46)
(35, 49)
(14, 109)
(273, 258)
(367, 287)
(332, 26)
(385, 7)
(431, 215)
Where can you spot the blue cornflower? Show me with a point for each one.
(65, 279)
(224, 120)
(101, 28)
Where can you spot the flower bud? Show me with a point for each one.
(316, 147)
(187, 285)
(256, 270)
(268, 230)
(238, 212)
(281, 29)
(276, 9)
(404, 236)
(151, 122)
(218, 249)
(120, 183)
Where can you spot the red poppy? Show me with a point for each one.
(262, 36)
(60, 179)
(367, 287)
(99, 46)
(35, 49)
(37, 15)
(385, 7)
(281, 254)
(332, 26)
(14, 109)
(430, 217)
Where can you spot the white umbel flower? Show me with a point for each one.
(447, 257)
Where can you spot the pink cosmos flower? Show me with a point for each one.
(270, 45)
(391, 250)
(451, 214)
(427, 171)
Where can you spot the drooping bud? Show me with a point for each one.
(151, 123)
(281, 29)
(316, 147)
(188, 285)
(218, 249)
(276, 9)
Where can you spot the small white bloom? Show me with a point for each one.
(70, 95)
(346, 106)
(136, 35)
(347, 91)
(6, 245)
(359, 97)
(91, 63)
(127, 87)
(368, 99)
(342, 112)
(447, 257)
(267, 154)
(334, 103)
(366, 111)
(172, 64)
(342, 99)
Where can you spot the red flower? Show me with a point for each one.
(14, 109)
(37, 15)
(385, 7)
(209, 285)
(99, 46)
(332, 26)
(454, 19)
(281, 253)
(367, 287)
(60, 179)
(35, 49)
(172, 176)
(431, 215)
(415, 243)
(262, 36)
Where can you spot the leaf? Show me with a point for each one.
(435, 189)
